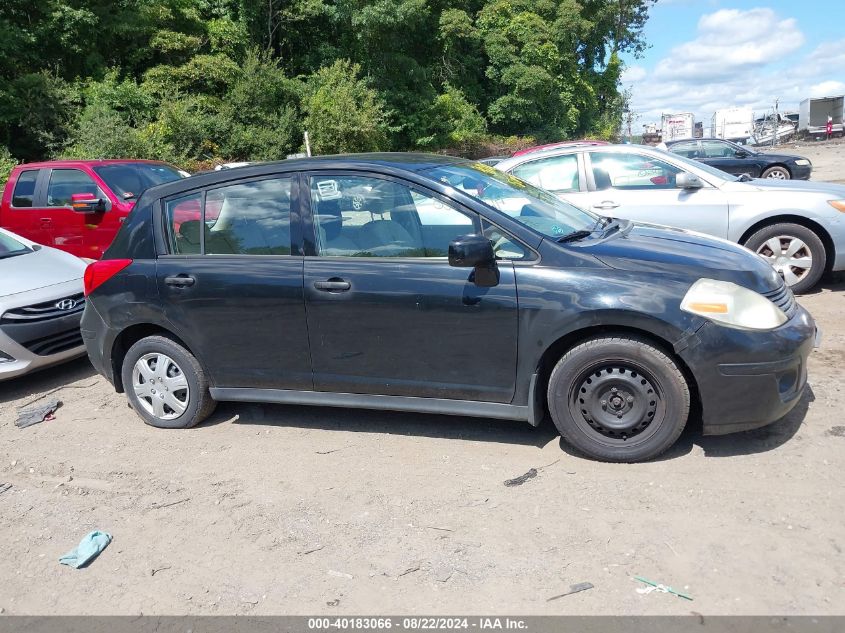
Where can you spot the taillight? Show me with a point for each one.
(100, 272)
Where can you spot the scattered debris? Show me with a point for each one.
(4, 488)
(167, 505)
(836, 431)
(410, 570)
(36, 415)
(581, 586)
(654, 586)
(340, 574)
(153, 572)
(249, 599)
(333, 603)
(442, 529)
(52, 391)
(311, 551)
(88, 549)
(518, 481)
(334, 450)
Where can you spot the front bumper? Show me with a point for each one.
(748, 379)
(801, 172)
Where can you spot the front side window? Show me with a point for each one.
(558, 173)
(65, 183)
(632, 171)
(688, 149)
(244, 219)
(24, 193)
(716, 149)
(361, 216)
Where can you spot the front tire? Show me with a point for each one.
(165, 384)
(795, 251)
(618, 399)
(777, 173)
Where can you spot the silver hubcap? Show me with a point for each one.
(777, 174)
(789, 256)
(160, 385)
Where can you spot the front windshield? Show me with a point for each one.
(9, 246)
(128, 180)
(677, 158)
(533, 207)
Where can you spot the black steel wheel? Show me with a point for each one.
(618, 399)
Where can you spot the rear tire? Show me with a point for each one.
(165, 384)
(618, 399)
(795, 251)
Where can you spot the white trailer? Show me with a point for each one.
(813, 115)
(677, 127)
(732, 124)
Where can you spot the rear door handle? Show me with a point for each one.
(607, 205)
(180, 281)
(46, 222)
(333, 285)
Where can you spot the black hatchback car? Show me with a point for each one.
(738, 159)
(426, 283)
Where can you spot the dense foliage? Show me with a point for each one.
(203, 80)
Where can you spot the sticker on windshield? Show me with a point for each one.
(328, 190)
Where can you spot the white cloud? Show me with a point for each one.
(738, 58)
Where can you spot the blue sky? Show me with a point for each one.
(710, 54)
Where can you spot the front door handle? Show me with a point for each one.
(46, 223)
(333, 285)
(180, 281)
(606, 205)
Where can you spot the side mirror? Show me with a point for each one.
(741, 153)
(475, 251)
(86, 203)
(686, 180)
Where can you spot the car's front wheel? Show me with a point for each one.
(795, 251)
(165, 384)
(618, 399)
(777, 173)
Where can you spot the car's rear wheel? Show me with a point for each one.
(777, 173)
(618, 399)
(795, 251)
(165, 384)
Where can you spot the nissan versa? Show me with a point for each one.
(432, 284)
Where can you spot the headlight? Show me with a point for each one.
(732, 305)
(802, 162)
(839, 205)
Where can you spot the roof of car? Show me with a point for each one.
(92, 163)
(540, 148)
(391, 161)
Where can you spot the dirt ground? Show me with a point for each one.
(294, 510)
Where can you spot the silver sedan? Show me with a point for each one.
(798, 226)
(41, 303)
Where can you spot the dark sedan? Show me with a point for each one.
(433, 284)
(738, 160)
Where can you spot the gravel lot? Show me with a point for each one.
(272, 509)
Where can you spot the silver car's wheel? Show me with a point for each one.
(161, 386)
(788, 255)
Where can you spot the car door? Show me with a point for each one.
(64, 227)
(641, 187)
(231, 282)
(22, 214)
(728, 158)
(386, 313)
(562, 175)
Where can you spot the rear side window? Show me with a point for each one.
(24, 193)
(244, 219)
(64, 183)
(558, 174)
(632, 171)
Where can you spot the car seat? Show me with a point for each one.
(330, 235)
(602, 179)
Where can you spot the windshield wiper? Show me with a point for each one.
(15, 253)
(574, 236)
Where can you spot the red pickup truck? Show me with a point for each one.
(77, 205)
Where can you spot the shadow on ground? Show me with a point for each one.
(38, 384)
